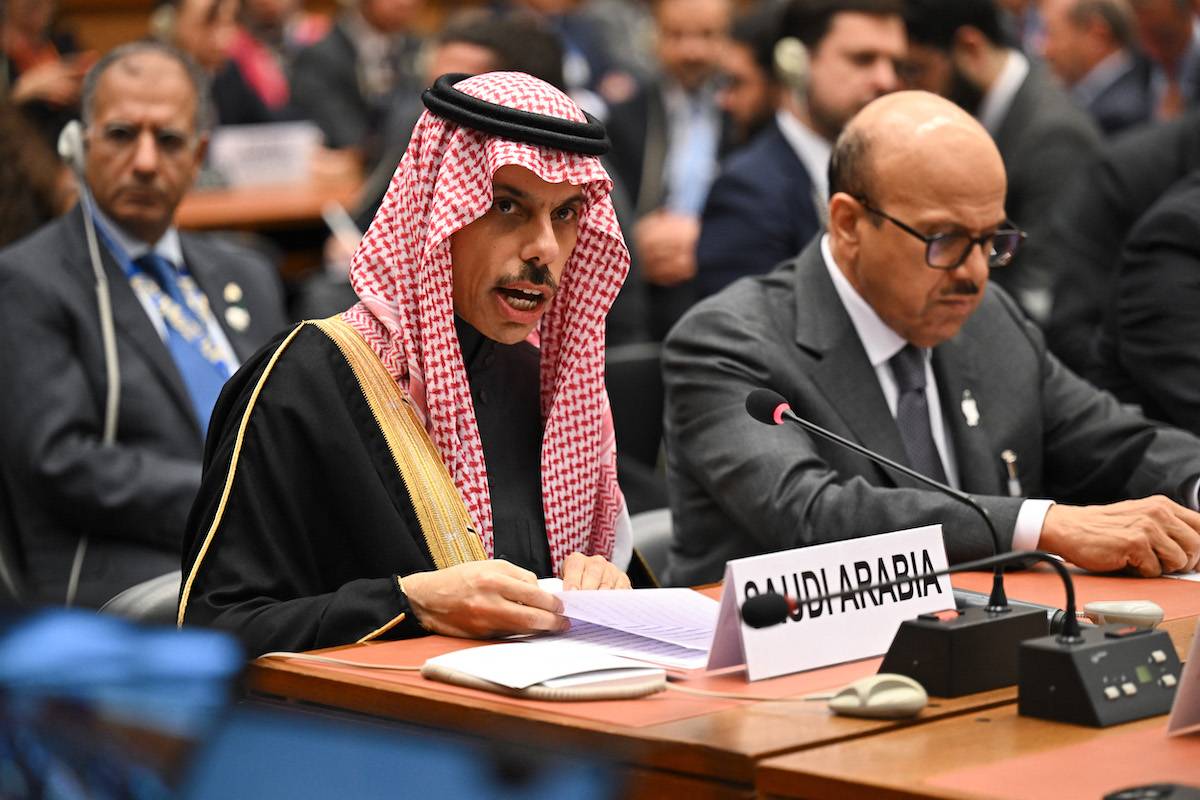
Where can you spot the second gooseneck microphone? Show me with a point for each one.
(771, 408)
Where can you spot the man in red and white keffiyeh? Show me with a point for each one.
(445, 242)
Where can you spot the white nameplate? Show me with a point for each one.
(832, 631)
(260, 155)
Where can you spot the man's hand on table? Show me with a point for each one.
(592, 572)
(483, 600)
(1151, 536)
(490, 599)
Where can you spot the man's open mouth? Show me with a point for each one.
(522, 299)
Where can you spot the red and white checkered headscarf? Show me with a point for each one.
(403, 276)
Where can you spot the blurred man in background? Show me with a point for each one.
(95, 516)
(1091, 46)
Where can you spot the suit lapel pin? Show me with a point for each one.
(970, 410)
(237, 317)
(233, 293)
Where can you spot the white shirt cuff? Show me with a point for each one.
(1028, 530)
(1194, 496)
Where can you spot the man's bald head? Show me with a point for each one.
(909, 168)
(906, 131)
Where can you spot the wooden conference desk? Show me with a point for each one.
(263, 208)
(668, 743)
(993, 754)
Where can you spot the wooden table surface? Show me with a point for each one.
(908, 763)
(264, 207)
(713, 754)
(721, 752)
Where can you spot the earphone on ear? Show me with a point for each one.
(70, 146)
(791, 63)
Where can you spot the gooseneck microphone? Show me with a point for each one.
(765, 610)
(770, 408)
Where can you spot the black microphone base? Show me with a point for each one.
(975, 651)
(1114, 674)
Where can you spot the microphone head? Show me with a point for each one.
(767, 406)
(765, 610)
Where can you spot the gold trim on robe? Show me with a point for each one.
(443, 518)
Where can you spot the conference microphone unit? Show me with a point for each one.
(1100, 676)
(977, 649)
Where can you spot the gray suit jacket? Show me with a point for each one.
(739, 487)
(1044, 139)
(131, 499)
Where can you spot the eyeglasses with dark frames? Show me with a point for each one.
(947, 251)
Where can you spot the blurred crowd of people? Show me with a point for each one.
(722, 115)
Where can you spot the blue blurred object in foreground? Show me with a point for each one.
(95, 707)
(277, 755)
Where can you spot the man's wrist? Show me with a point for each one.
(411, 609)
(1027, 532)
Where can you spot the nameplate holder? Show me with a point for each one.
(827, 632)
(1185, 710)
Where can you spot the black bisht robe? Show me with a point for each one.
(318, 523)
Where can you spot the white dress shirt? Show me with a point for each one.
(999, 98)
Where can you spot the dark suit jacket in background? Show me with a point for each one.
(1044, 140)
(131, 499)
(1151, 344)
(640, 136)
(640, 133)
(1089, 225)
(326, 89)
(1125, 102)
(739, 487)
(760, 211)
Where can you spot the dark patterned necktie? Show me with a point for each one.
(912, 413)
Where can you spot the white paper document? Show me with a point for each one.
(670, 627)
(1185, 576)
(519, 665)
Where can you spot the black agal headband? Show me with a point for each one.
(449, 103)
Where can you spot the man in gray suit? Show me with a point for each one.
(957, 49)
(186, 310)
(881, 331)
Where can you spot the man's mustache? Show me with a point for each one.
(532, 272)
(966, 287)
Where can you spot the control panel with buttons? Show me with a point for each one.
(1114, 674)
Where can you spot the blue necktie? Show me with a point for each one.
(202, 377)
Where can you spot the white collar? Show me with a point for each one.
(880, 341)
(1101, 76)
(811, 148)
(999, 97)
(167, 246)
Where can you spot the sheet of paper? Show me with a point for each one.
(677, 616)
(1186, 576)
(522, 664)
(628, 645)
